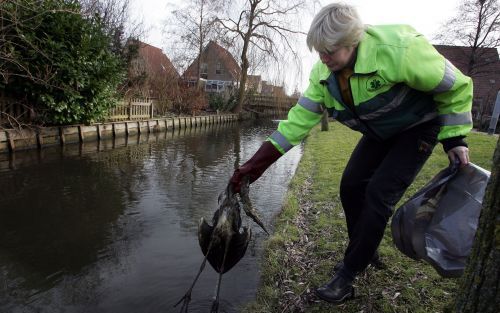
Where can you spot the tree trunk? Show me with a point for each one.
(200, 49)
(480, 286)
(324, 121)
(244, 59)
(241, 92)
(244, 72)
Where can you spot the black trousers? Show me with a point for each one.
(375, 179)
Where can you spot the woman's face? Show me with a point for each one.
(337, 58)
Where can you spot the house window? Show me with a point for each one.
(216, 85)
(219, 69)
(204, 70)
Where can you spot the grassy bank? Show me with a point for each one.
(310, 237)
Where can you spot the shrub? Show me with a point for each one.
(216, 101)
(190, 101)
(59, 62)
(223, 101)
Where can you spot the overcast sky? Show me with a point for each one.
(424, 15)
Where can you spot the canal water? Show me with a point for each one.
(112, 226)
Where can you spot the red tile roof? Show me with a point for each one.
(156, 61)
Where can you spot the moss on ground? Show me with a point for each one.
(310, 237)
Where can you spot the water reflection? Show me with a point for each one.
(111, 226)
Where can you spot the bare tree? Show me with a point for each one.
(115, 15)
(479, 290)
(477, 26)
(268, 26)
(138, 78)
(194, 26)
(164, 84)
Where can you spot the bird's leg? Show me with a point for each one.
(215, 303)
(187, 297)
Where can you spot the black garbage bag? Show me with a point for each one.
(439, 222)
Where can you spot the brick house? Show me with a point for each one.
(151, 73)
(218, 69)
(269, 89)
(485, 75)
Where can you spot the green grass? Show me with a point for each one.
(310, 237)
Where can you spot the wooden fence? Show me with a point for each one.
(264, 104)
(14, 113)
(133, 109)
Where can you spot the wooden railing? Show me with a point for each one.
(133, 109)
(270, 102)
(14, 113)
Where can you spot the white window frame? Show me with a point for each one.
(219, 69)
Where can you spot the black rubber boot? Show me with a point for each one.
(336, 291)
(376, 262)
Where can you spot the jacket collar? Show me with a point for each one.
(366, 61)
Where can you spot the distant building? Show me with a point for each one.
(485, 75)
(254, 84)
(279, 91)
(269, 89)
(218, 69)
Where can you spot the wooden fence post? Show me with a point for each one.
(129, 109)
(39, 139)
(61, 136)
(98, 132)
(80, 133)
(10, 142)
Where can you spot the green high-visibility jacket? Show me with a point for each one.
(399, 81)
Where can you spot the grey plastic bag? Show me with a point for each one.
(439, 222)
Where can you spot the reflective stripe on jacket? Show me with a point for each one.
(399, 81)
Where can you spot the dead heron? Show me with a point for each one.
(223, 244)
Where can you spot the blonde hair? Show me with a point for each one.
(336, 24)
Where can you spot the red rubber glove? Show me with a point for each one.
(256, 166)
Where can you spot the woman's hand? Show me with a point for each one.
(461, 153)
(255, 167)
